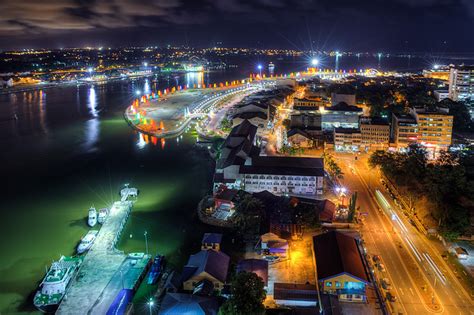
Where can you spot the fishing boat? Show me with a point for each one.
(53, 287)
(102, 215)
(155, 270)
(92, 218)
(87, 241)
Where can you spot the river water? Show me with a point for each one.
(64, 149)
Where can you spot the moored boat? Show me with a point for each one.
(102, 215)
(54, 285)
(155, 270)
(92, 218)
(87, 241)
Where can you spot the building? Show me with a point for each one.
(404, 130)
(211, 241)
(306, 120)
(441, 94)
(238, 148)
(207, 265)
(347, 139)
(259, 119)
(308, 103)
(435, 127)
(241, 167)
(375, 133)
(293, 294)
(339, 266)
(283, 175)
(349, 99)
(439, 72)
(272, 244)
(461, 82)
(340, 115)
(181, 303)
(301, 139)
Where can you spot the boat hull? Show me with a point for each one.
(48, 309)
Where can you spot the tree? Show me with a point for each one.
(249, 212)
(247, 296)
(352, 207)
(332, 167)
(461, 115)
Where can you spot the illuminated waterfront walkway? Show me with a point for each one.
(105, 270)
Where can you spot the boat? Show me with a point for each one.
(271, 67)
(155, 270)
(102, 215)
(53, 287)
(92, 218)
(87, 241)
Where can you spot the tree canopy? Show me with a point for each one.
(247, 296)
(444, 181)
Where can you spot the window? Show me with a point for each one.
(328, 283)
(338, 284)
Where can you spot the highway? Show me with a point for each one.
(420, 278)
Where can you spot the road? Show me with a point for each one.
(420, 278)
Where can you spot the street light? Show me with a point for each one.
(146, 242)
(314, 62)
(260, 70)
(138, 92)
(150, 304)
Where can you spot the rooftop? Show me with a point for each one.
(346, 130)
(180, 303)
(210, 238)
(294, 291)
(214, 263)
(342, 106)
(337, 253)
(277, 165)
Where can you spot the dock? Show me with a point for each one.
(105, 270)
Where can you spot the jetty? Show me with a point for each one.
(105, 270)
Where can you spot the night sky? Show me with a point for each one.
(374, 25)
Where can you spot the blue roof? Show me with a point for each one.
(187, 304)
(209, 238)
(213, 262)
(120, 303)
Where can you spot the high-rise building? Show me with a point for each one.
(375, 133)
(404, 130)
(435, 127)
(461, 83)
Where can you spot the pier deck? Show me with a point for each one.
(101, 265)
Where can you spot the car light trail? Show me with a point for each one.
(435, 268)
(413, 248)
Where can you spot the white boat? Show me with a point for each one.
(92, 219)
(87, 241)
(102, 215)
(53, 287)
(271, 67)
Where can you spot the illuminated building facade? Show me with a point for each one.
(435, 127)
(461, 83)
(404, 130)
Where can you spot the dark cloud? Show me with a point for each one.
(390, 24)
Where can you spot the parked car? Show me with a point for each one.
(376, 258)
(381, 267)
(391, 297)
(386, 284)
